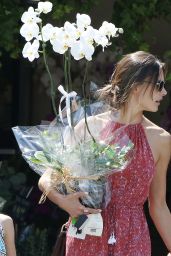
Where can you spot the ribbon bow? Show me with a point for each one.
(67, 96)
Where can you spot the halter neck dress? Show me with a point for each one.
(124, 215)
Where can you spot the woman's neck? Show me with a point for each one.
(129, 116)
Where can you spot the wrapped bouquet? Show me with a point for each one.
(79, 164)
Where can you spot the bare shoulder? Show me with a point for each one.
(6, 220)
(157, 135)
(94, 125)
(100, 117)
(95, 121)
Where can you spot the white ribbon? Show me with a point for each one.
(112, 239)
(67, 96)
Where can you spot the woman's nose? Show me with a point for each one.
(164, 92)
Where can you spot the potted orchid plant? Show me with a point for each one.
(82, 165)
(78, 165)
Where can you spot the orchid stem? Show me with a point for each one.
(85, 105)
(66, 72)
(52, 90)
(69, 70)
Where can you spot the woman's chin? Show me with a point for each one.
(152, 109)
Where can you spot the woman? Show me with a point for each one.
(7, 240)
(137, 85)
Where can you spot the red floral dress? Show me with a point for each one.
(124, 215)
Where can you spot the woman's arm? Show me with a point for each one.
(69, 203)
(158, 208)
(9, 236)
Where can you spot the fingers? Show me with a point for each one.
(77, 208)
(91, 210)
(86, 210)
(77, 213)
(80, 194)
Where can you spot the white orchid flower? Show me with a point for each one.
(66, 40)
(80, 50)
(30, 17)
(51, 33)
(60, 46)
(120, 30)
(44, 7)
(30, 51)
(29, 31)
(100, 39)
(55, 34)
(71, 30)
(79, 31)
(47, 32)
(88, 35)
(83, 20)
(108, 29)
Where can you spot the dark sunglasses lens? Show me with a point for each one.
(160, 85)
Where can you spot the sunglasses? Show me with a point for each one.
(160, 85)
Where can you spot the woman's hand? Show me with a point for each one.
(71, 204)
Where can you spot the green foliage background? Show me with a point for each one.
(135, 17)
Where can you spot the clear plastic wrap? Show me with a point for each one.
(79, 163)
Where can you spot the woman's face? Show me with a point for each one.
(150, 97)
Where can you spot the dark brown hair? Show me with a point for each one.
(132, 70)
